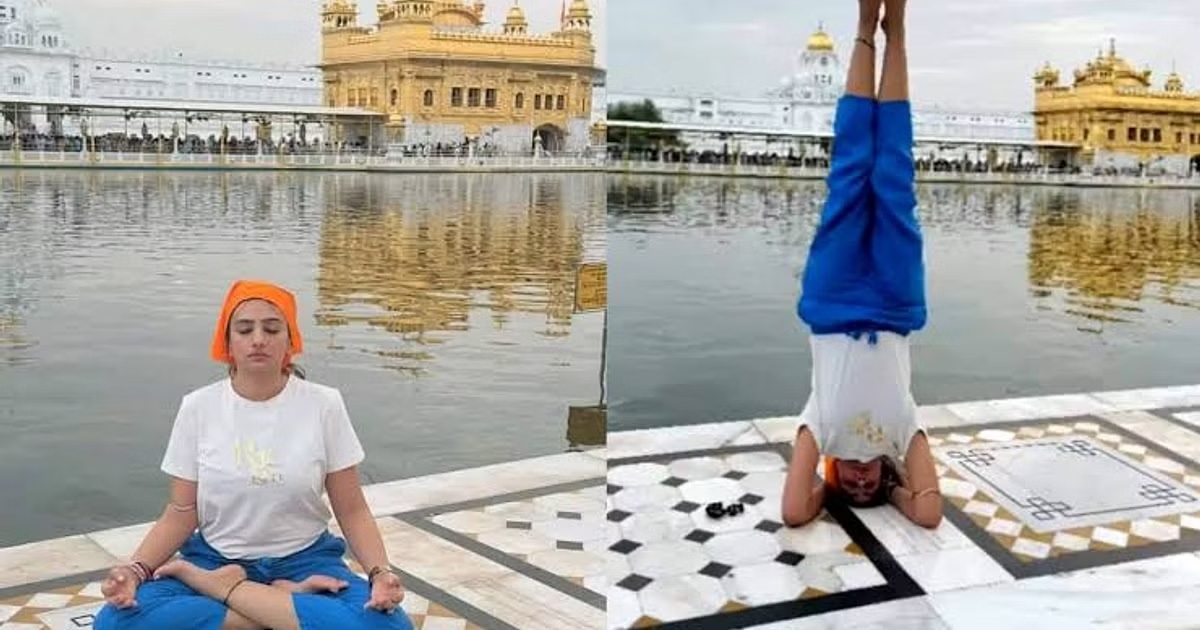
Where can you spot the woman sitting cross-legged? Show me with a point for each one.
(863, 294)
(250, 458)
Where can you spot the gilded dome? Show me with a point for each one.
(820, 41)
(579, 8)
(515, 14)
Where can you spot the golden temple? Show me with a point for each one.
(442, 79)
(1114, 113)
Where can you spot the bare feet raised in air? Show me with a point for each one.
(868, 16)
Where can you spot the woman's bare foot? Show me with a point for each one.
(215, 583)
(312, 584)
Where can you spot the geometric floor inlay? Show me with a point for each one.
(562, 533)
(552, 535)
(1046, 496)
(671, 563)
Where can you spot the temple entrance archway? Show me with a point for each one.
(549, 138)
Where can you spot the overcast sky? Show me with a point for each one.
(272, 31)
(968, 53)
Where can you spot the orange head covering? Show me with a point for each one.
(243, 290)
(831, 476)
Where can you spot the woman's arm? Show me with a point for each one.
(354, 516)
(803, 491)
(919, 497)
(172, 529)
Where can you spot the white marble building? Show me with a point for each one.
(805, 101)
(37, 59)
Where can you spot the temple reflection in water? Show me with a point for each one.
(1114, 251)
(417, 255)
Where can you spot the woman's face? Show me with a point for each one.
(258, 337)
(860, 480)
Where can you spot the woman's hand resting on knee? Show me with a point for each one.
(386, 592)
(120, 587)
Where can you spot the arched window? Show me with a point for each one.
(428, 98)
(395, 96)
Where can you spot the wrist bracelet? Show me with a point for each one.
(374, 572)
(864, 41)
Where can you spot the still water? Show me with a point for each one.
(1031, 291)
(441, 306)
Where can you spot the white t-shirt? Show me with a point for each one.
(260, 466)
(861, 404)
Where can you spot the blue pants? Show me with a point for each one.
(865, 271)
(171, 604)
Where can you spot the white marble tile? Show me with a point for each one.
(1151, 398)
(640, 498)
(859, 575)
(434, 559)
(765, 461)
(528, 604)
(817, 537)
(526, 511)
(1009, 409)
(7, 611)
(1157, 593)
(644, 474)
(764, 483)
(819, 570)
(682, 597)
(761, 584)
(46, 560)
(48, 600)
(516, 541)
(569, 502)
(913, 613)
(743, 548)
(663, 559)
(622, 444)
(901, 537)
(23, 626)
(656, 526)
(707, 491)
(568, 529)
(414, 604)
(476, 483)
(778, 430)
(469, 522)
(598, 453)
(92, 590)
(121, 542)
(938, 416)
(748, 437)
(952, 569)
(623, 608)
(696, 468)
(1190, 417)
(568, 562)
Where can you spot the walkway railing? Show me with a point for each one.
(342, 161)
(786, 172)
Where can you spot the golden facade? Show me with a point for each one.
(1113, 108)
(440, 78)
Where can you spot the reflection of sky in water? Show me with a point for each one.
(439, 304)
(1032, 290)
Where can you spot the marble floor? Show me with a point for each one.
(515, 545)
(1078, 510)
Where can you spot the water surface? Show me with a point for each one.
(1031, 291)
(441, 306)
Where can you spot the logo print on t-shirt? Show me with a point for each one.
(259, 462)
(865, 428)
